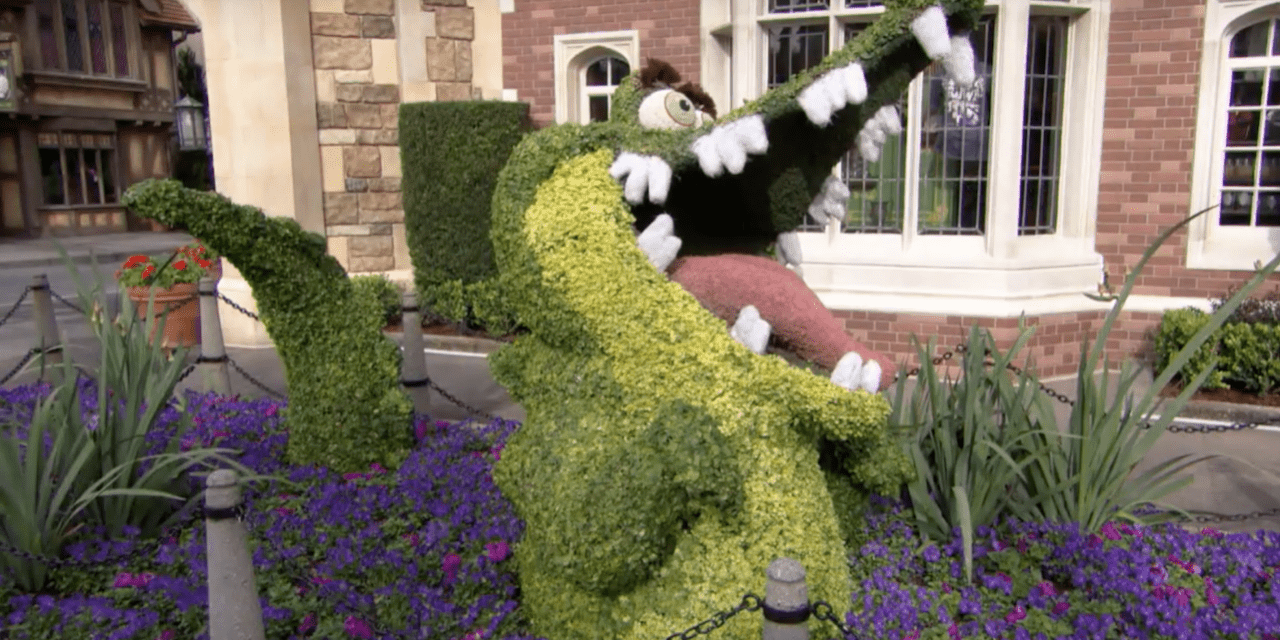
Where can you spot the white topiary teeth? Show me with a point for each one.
(831, 204)
(750, 330)
(867, 146)
(930, 29)
(645, 176)
(876, 131)
(659, 243)
(871, 373)
(852, 373)
(832, 92)
(889, 120)
(727, 146)
(960, 62)
(789, 248)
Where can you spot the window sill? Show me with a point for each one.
(58, 78)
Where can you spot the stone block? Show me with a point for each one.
(331, 171)
(448, 60)
(361, 162)
(381, 201)
(381, 216)
(338, 249)
(364, 116)
(371, 7)
(337, 136)
(330, 116)
(341, 208)
(390, 115)
(450, 91)
(384, 184)
(477, 93)
(381, 229)
(386, 61)
(348, 92)
(326, 6)
(456, 23)
(371, 263)
(370, 246)
(324, 86)
(353, 77)
(341, 53)
(335, 24)
(391, 161)
(377, 27)
(354, 230)
(357, 185)
(378, 136)
(381, 93)
(399, 239)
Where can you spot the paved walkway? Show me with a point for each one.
(1225, 485)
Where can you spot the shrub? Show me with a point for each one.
(452, 153)
(381, 289)
(1245, 351)
(343, 373)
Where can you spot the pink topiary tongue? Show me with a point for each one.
(724, 284)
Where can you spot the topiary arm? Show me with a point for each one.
(347, 409)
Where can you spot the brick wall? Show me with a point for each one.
(1153, 79)
(668, 31)
(357, 107)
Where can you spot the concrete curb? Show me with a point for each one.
(115, 256)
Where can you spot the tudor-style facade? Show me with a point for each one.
(89, 109)
(1103, 122)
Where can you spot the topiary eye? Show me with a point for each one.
(680, 109)
(668, 109)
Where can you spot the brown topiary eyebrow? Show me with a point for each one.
(659, 74)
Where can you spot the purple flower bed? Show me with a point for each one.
(424, 552)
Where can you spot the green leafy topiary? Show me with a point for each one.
(1246, 351)
(451, 153)
(346, 408)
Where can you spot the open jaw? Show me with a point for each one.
(749, 180)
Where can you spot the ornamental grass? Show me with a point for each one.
(425, 552)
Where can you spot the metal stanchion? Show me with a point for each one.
(234, 610)
(213, 354)
(786, 601)
(48, 340)
(413, 373)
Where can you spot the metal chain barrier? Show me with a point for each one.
(14, 308)
(960, 348)
(454, 399)
(18, 367)
(237, 307)
(253, 379)
(186, 372)
(63, 300)
(750, 602)
(824, 611)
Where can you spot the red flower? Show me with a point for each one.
(204, 264)
(180, 265)
(146, 273)
(134, 261)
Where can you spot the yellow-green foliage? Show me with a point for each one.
(346, 408)
(662, 465)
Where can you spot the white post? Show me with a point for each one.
(48, 342)
(213, 355)
(786, 601)
(413, 373)
(234, 611)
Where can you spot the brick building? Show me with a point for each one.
(1104, 122)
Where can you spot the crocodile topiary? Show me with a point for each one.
(663, 465)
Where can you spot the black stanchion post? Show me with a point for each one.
(786, 601)
(414, 368)
(234, 610)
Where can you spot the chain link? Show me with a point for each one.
(253, 379)
(22, 363)
(186, 372)
(451, 398)
(236, 306)
(1209, 428)
(65, 301)
(960, 348)
(750, 602)
(14, 308)
(1239, 517)
(824, 611)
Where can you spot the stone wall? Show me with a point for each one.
(358, 93)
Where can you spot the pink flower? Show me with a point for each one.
(1211, 595)
(353, 476)
(914, 635)
(413, 538)
(283, 511)
(358, 628)
(953, 631)
(1016, 615)
(442, 424)
(1110, 532)
(1047, 589)
(1184, 597)
(1211, 532)
(497, 453)
(1061, 608)
(998, 545)
(271, 410)
(1022, 545)
(308, 623)
(124, 580)
(377, 468)
(1094, 540)
(167, 634)
(497, 551)
(946, 587)
(420, 431)
(450, 565)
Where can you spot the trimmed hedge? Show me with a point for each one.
(1248, 353)
(451, 154)
(346, 409)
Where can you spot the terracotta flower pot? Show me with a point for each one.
(182, 304)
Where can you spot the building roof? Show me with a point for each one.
(167, 13)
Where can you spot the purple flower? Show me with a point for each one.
(1109, 531)
(358, 628)
(1017, 615)
(497, 551)
(308, 623)
(450, 565)
(1061, 608)
(1047, 589)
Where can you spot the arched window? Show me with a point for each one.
(599, 80)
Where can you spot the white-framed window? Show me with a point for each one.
(588, 67)
(970, 210)
(1237, 152)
